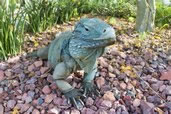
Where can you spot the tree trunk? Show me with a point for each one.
(145, 18)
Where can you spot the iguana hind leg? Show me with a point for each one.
(61, 72)
(42, 53)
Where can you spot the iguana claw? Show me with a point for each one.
(74, 98)
(90, 89)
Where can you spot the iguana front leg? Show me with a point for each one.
(62, 71)
(88, 86)
(42, 53)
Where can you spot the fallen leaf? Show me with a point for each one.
(159, 110)
(15, 111)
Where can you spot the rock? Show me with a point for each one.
(155, 86)
(38, 63)
(8, 73)
(35, 111)
(31, 94)
(130, 86)
(28, 99)
(1, 109)
(169, 98)
(100, 82)
(162, 88)
(24, 107)
(89, 101)
(54, 110)
(57, 101)
(1, 90)
(106, 103)
(146, 107)
(110, 68)
(123, 55)
(13, 59)
(100, 111)
(154, 99)
(40, 101)
(11, 104)
(168, 90)
(112, 111)
(88, 111)
(31, 68)
(109, 96)
(168, 105)
(30, 110)
(31, 81)
(75, 111)
(46, 89)
(49, 98)
(66, 112)
(123, 85)
(111, 75)
(43, 69)
(2, 77)
(102, 62)
(124, 112)
(136, 103)
(166, 75)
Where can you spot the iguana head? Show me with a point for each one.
(94, 29)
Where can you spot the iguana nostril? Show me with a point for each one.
(104, 30)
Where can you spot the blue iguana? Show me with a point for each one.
(78, 50)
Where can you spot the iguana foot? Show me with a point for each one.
(74, 98)
(90, 89)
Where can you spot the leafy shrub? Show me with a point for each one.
(163, 14)
(115, 8)
(11, 29)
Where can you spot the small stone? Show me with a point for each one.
(75, 111)
(28, 99)
(166, 75)
(46, 90)
(89, 101)
(31, 81)
(147, 108)
(169, 98)
(43, 69)
(40, 101)
(2, 77)
(31, 94)
(130, 86)
(109, 96)
(100, 111)
(168, 90)
(30, 110)
(31, 68)
(55, 110)
(100, 82)
(136, 103)
(162, 88)
(38, 63)
(57, 101)
(1, 90)
(124, 112)
(11, 103)
(123, 85)
(102, 62)
(24, 107)
(49, 98)
(35, 111)
(8, 73)
(123, 55)
(110, 68)
(88, 111)
(106, 103)
(66, 112)
(112, 111)
(1, 109)
(112, 75)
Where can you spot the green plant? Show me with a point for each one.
(11, 28)
(163, 14)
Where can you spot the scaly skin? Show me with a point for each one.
(76, 50)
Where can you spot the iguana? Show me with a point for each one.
(78, 50)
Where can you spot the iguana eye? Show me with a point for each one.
(86, 29)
